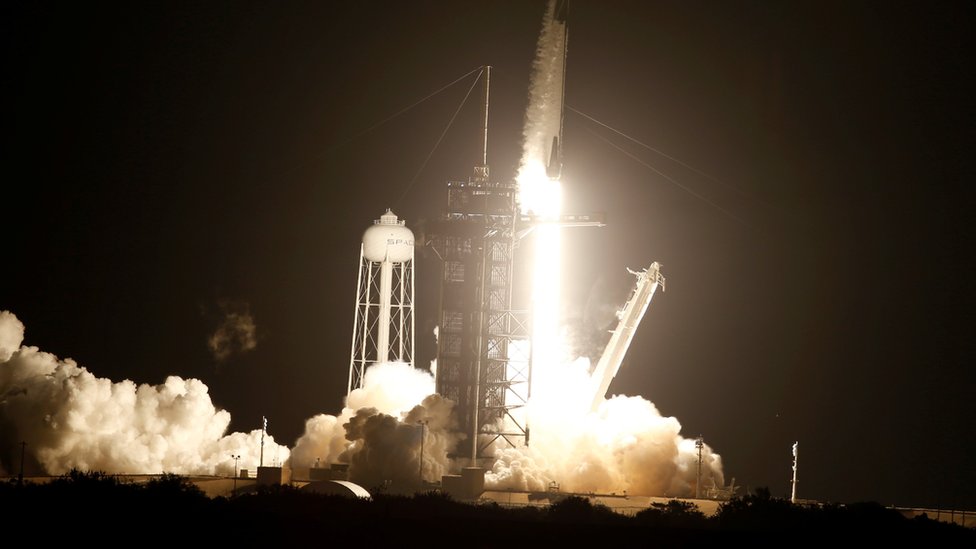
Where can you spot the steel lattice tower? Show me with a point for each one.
(483, 352)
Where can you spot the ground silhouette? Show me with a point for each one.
(96, 507)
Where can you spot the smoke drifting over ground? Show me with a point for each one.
(379, 431)
(70, 418)
(626, 446)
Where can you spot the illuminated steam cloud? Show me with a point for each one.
(236, 333)
(71, 419)
(627, 445)
(379, 432)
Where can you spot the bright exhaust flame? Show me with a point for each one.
(539, 194)
(542, 196)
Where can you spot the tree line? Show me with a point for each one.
(93, 506)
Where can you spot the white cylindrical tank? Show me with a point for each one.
(388, 240)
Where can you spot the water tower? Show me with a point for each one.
(384, 324)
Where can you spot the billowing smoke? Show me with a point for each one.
(625, 446)
(71, 419)
(236, 333)
(379, 431)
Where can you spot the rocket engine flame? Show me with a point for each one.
(538, 194)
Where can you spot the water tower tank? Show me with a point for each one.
(388, 240)
(383, 327)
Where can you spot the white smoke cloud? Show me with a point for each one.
(11, 335)
(236, 333)
(70, 418)
(624, 446)
(379, 431)
(391, 389)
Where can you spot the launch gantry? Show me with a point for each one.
(484, 361)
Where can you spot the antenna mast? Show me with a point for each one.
(264, 429)
(482, 170)
(699, 443)
(793, 495)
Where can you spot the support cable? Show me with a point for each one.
(439, 139)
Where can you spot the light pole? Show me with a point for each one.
(20, 477)
(699, 442)
(423, 432)
(237, 458)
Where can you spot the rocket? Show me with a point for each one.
(555, 166)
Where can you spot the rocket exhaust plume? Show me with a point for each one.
(538, 193)
(618, 445)
(71, 419)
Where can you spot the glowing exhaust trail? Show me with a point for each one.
(540, 192)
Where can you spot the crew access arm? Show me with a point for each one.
(630, 316)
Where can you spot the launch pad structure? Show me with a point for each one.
(484, 358)
(485, 351)
(483, 361)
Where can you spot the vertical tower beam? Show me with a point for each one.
(383, 325)
(484, 149)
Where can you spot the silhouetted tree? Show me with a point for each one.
(673, 514)
(579, 509)
(99, 507)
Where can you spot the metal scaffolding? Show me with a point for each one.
(483, 343)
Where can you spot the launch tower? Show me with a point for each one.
(484, 361)
(482, 355)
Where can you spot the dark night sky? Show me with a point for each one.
(161, 157)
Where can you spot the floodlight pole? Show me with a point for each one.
(237, 458)
(699, 443)
(23, 448)
(423, 432)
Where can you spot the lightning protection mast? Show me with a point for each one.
(793, 482)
